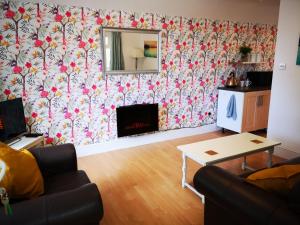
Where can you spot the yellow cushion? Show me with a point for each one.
(279, 180)
(23, 178)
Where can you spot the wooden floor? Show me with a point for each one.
(142, 185)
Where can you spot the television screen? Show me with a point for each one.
(12, 119)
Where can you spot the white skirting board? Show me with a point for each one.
(133, 141)
(286, 153)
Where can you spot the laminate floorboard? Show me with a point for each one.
(142, 185)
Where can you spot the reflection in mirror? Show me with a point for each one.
(130, 50)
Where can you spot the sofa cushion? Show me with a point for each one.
(66, 181)
(279, 180)
(22, 178)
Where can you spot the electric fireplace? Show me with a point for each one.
(137, 119)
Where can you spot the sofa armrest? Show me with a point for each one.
(78, 206)
(242, 200)
(55, 159)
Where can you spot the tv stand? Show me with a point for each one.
(27, 142)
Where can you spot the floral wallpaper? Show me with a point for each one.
(50, 56)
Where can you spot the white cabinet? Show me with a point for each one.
(252, 110)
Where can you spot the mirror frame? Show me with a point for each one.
(132, 30)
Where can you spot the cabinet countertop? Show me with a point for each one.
(244, 89)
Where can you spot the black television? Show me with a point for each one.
(12, 120)
(137, 119)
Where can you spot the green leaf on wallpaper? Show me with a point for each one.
(298, 55)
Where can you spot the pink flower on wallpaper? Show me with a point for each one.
(76, 110)
(178, 47)
(165, 26)
(1, 37)
(94, 87)
(183, 117)
(72, 64)
(113, 107)
(34, 115)
(134, 23)
(91, 40)
(202, 83)
(17, 69)
(10, 14)
(68, 115)
(58, 135)
(177, 120)
(120, 89)
(44, 94)
(58, 18)
(48, 39)
(99, 21)
(63, 69)
(151, 87)
(105, 111)
(28, 65)
(89, 134)
(54, 89)
(7, 92)
(49, 140)
(157, 83)
(81, 44)
(201, 117)
(171, 22)
(165, 105)
(21, 10)
(191, 66)
(38, 43)
(177, 85)
(85, 91)
(164, 66)
(68, 14)
(142, 20)
(107, 17)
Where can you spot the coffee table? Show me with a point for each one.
(222, 149)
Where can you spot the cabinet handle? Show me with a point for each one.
(260, 100)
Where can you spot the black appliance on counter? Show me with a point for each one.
(260, 78)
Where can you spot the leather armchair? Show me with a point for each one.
(69, 198)
(230, 200)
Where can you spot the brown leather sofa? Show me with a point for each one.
(69, 199)
(230, 200)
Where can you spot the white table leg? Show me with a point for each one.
(244, 163)
(271, 151)
(183, 170)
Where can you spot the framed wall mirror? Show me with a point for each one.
(128, 50)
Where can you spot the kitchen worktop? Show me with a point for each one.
(244, 89)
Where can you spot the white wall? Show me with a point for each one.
(284, 119)
(261, 11)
